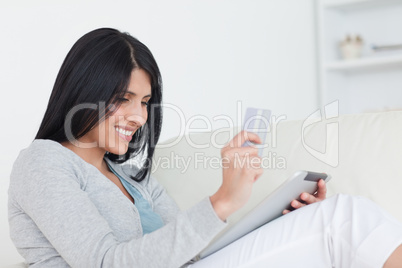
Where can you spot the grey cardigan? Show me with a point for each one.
(64, 212)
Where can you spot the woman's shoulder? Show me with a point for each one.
(45, 145)
(44, 164)
(47, 151)
(44, 155)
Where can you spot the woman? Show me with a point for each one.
(72, 202)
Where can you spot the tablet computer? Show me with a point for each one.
(269, 209)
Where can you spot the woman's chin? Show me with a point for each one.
(121, 150)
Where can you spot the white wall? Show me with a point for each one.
(212, 54)
(374, 89)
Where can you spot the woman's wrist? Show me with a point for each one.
(221, 207)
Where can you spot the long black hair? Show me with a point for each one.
(97, 70)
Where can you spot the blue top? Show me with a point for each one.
(150, 221)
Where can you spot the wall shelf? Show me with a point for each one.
(373, 81)
(365, 63)
(350, 5)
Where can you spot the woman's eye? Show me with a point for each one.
(123, 99)
(145, 103)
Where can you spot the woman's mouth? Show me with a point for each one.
(125, 134)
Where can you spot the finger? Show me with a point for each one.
(242, 137)
(252, 167)
(254, 161)
(308, 198)
(286, 211)
(296, 204)
(240, 152)
(259, 173)
(322, 190)
(245, 162)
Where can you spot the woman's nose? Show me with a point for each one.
(137, 114)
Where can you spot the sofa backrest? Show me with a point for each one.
(362, 153)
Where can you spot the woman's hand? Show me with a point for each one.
(310, 198)
(241, 167)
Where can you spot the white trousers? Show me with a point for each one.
(342, 231)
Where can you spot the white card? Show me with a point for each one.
(257, 121)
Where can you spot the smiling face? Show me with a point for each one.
(115, 133)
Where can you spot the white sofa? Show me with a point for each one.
(363, 153)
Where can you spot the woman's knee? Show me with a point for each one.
(354, 207)
(349, 200)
